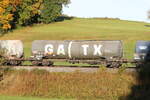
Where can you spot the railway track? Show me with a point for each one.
(85, 69)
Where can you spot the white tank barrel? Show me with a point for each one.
(12, 48)
(77, 49)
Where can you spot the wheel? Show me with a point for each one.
(107, 64)
(138, 65)
(14, 63)
(113, 65)
(116, 65)
(93, 63)
(47, 63)
(36, 63)
(19, 63)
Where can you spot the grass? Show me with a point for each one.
(27, 98)
(85, 29)
(80, 86)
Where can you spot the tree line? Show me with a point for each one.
(27, 12)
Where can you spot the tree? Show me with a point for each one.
(5, 15)
(51, 10)
(26, 12)
(29, 11)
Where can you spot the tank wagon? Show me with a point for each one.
(11, 50)
(142, 51)
(76, 51)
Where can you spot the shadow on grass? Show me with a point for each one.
(63, 18)
(141, 91)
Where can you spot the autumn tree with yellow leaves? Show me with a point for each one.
(5, 15)
(26, 12)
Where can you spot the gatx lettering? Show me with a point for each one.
(60, 50)
(85, 47)
(97, 50)
(50, 49)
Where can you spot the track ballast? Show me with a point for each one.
(85, 69)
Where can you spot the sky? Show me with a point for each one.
(134, 10)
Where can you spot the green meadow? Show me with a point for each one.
(85, 29)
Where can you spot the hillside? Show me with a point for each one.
(85, 29)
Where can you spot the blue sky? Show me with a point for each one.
(135, 10)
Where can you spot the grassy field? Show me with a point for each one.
(85, 29)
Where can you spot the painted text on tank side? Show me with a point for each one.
(61, 50)
(50, 49)
(97, 50)
(85, 47)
